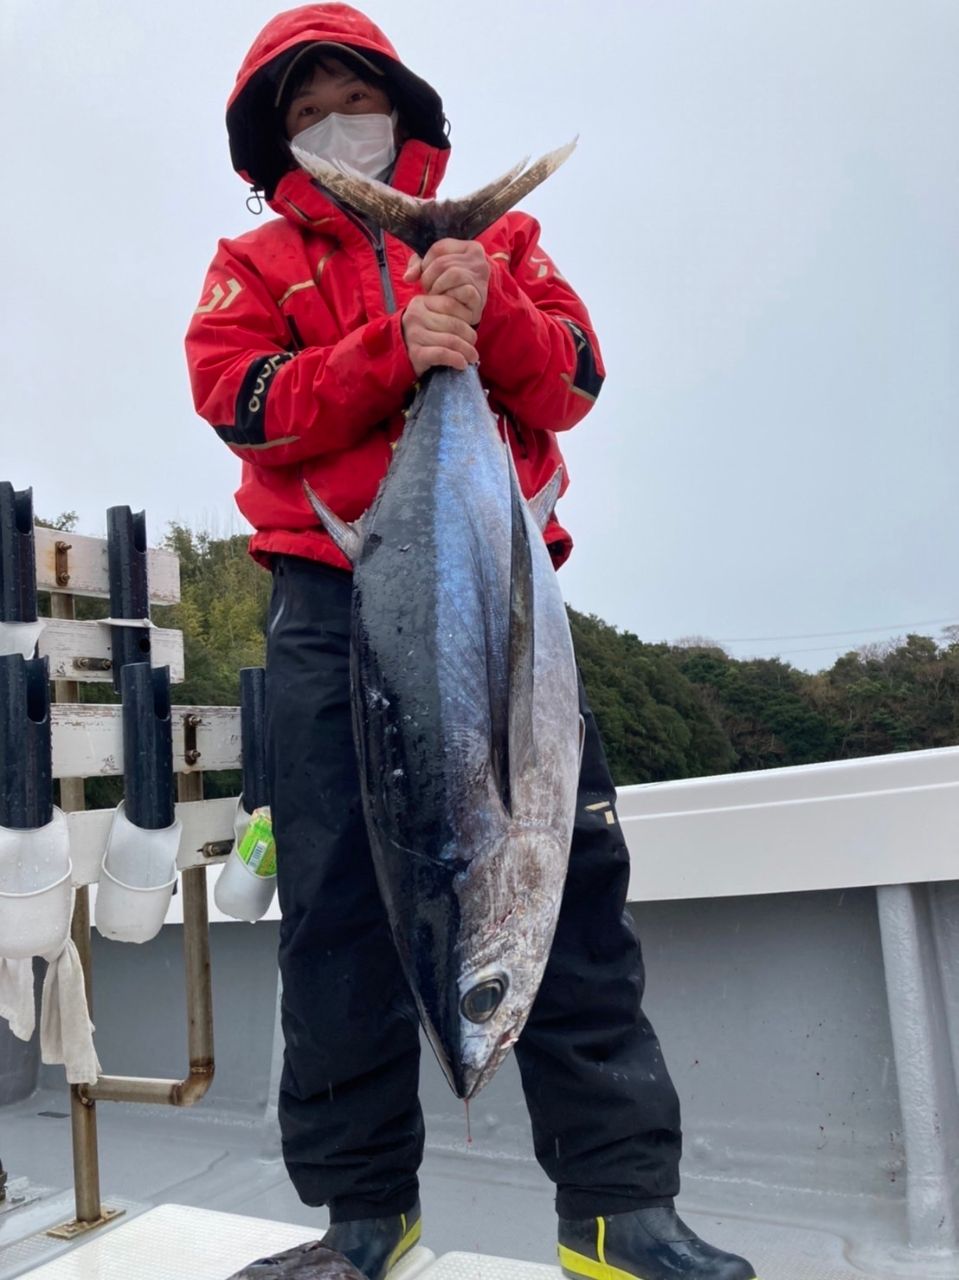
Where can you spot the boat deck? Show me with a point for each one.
(205, 1191)
(807, 1002)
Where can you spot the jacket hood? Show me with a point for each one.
(257, 145)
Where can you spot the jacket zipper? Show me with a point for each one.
(378, 242)
(389, 297)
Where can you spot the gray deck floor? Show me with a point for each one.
(474, 1201)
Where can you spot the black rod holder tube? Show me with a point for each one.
(26, 763)
(18, 559)
(253, 737)
(129, 588)
(147, 745)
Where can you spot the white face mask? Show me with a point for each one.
(363, 143)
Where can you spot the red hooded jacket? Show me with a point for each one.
(296, 354)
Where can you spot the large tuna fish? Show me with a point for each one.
(464, 689)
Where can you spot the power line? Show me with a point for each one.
(819, 648)
(824, 635)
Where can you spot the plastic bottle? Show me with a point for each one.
(244, 889)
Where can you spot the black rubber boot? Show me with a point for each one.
(375, 1245)
(646, 1244)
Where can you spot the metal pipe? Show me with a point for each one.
(72, 795)
(157, 1092)
(199, 990)
(927, 1095)
(83, 1113)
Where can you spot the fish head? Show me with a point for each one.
(508, 906)
(474, 1033)
(490, 1018)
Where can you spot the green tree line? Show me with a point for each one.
(705, 712)
(665, 710)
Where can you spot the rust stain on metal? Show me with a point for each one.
(216, 848)
(62, 562)
(191, 753)
(70, 1230)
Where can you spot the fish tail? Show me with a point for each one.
(420, 223)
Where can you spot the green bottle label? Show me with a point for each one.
(258, 848)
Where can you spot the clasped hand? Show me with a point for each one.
(439, 325)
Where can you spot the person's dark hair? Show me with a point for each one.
(321, 59)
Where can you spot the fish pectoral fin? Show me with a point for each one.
(541, 504)
(348, 537)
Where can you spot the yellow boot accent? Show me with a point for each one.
(577, 1264)
(407, 1240)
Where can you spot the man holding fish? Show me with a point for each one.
(428, 880)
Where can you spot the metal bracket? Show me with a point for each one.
(62, 562)
(93, 664)
(190, 752)
(216, 848)
(70, 1230)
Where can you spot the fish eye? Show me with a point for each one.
(481, 1002)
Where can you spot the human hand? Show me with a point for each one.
(437, 331)
(455, 269)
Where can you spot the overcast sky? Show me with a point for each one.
(762, 216)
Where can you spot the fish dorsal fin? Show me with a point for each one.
(420, 223)
(348, 537)
(541, 504)
(522, 748)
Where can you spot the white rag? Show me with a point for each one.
(66, 1032)
(16, 996)
(38, 904)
